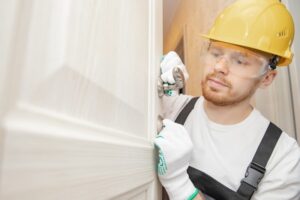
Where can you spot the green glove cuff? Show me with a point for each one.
(193, 195)
(161, 163)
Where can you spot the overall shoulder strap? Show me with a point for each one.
(256, 169)
(186, 111)
(210, 186)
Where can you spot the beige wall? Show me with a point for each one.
(192, 18)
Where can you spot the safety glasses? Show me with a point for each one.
(236, 60)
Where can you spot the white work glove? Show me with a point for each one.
(170, 61)
(175, 150)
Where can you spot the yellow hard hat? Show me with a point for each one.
(264, 25)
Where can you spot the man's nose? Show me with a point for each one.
(222, 65)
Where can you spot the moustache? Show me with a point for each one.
(219, 77)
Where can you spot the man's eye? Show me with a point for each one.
(241, 61)
(215, 54)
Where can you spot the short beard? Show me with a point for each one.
(211, 94)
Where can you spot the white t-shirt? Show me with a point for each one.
(225, 151)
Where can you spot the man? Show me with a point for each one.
(227, 149)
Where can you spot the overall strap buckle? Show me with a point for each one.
(254, 174)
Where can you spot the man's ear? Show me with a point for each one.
(268, 79)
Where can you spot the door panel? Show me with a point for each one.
(80, 105)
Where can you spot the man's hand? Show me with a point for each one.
(170, 61)
(173, 72)
(175, 150)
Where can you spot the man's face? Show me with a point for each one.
(231, 73)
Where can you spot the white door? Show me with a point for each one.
(78, 100)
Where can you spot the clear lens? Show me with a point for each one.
(239, 63)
